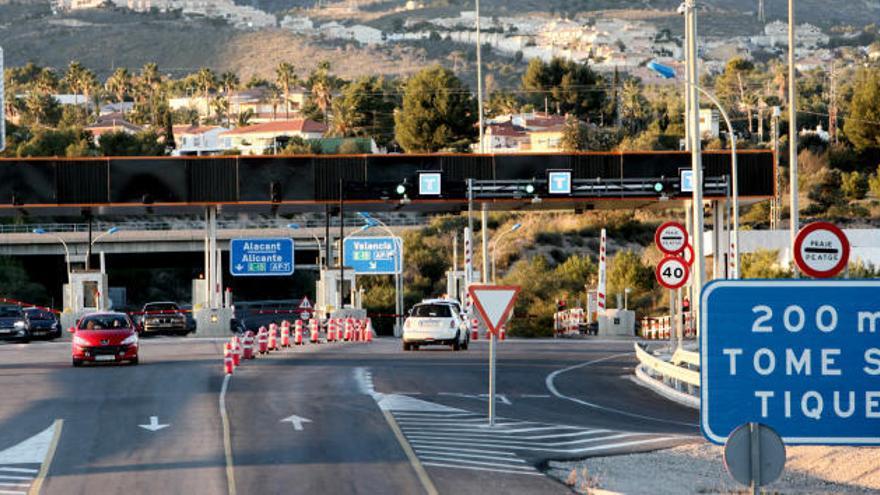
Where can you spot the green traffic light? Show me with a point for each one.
(658, 187)
(530, 188)
(401, 189)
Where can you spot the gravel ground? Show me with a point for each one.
(698, 468)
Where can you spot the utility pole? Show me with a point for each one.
(776, 202)
(480, 80)
(696, 158)
(832, 106)
(792, 137)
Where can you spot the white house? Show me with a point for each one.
(257, 139)
(197, 140)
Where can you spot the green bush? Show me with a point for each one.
(854, 185)
(763, 264)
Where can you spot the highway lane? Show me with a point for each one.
(376, 419)
(102, 449)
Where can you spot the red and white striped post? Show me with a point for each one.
(313, 331)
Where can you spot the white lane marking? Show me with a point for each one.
(552, 388)
(19, 470)
(517, 441)
(227, 438)
(502, 434)
(535, 396)
(15, 484)
(481, 451)
(395, 402)
(10, 492)
(482, 397)
(10, 477)
(154, 425)
(30, 451)
(479, 463)
(296, 421)
(477, 468)
(556, 450)
(459, 454)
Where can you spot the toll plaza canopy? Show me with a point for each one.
(57, 186)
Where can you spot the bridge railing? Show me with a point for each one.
(193, 224)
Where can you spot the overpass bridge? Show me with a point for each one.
(178, 237)
(289, 184)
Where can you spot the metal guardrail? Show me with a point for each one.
(193, 224)
(667, 370)
(686, 357)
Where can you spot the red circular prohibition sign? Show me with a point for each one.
(844, 255)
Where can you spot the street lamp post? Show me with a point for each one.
(669, 73)
(792, 137)
(296, 226)
(110, 231)
(66, 259)
(512, 229)
(626, 292)
(398, 280)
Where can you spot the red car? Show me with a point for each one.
(105, 337)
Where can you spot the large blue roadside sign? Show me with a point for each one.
(261, 257)
(802, 357)
(373, 255)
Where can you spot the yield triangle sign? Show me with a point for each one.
(305, 304)
(494, 303)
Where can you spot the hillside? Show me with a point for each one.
(107, 38)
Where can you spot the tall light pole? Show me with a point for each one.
(110, 231)
(296, 226)
(669, 73)
(479, 78)
(696, 156)
(512, 229)
(792, 136)
(66, 259)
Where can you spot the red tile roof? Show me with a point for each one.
(506, 129)
(280, 126)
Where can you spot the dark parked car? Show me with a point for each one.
(163, 317)
(13, 323)
(42, 323)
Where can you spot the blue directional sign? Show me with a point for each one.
(373, 255)
(686, 182)
(429, 184)
(802, 357)
(559, 182)
(261, 257)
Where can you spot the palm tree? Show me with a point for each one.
(206, 81)
(119, 84)
(274, 100)
(285, 76)
(322, 95)
(73, 78)
(46, 81)
(345, 118)
(230, 82)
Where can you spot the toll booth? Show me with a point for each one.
(211, 322)
(617, 322)
(456, 287)
(327, 292)
(86, 293)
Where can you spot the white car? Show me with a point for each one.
(435, 322)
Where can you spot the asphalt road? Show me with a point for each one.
(340, 418)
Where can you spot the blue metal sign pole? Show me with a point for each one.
(799, 356)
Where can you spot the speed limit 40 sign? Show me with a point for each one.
(672, 272)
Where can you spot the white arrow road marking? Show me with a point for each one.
(154, 424)
(296, 421)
